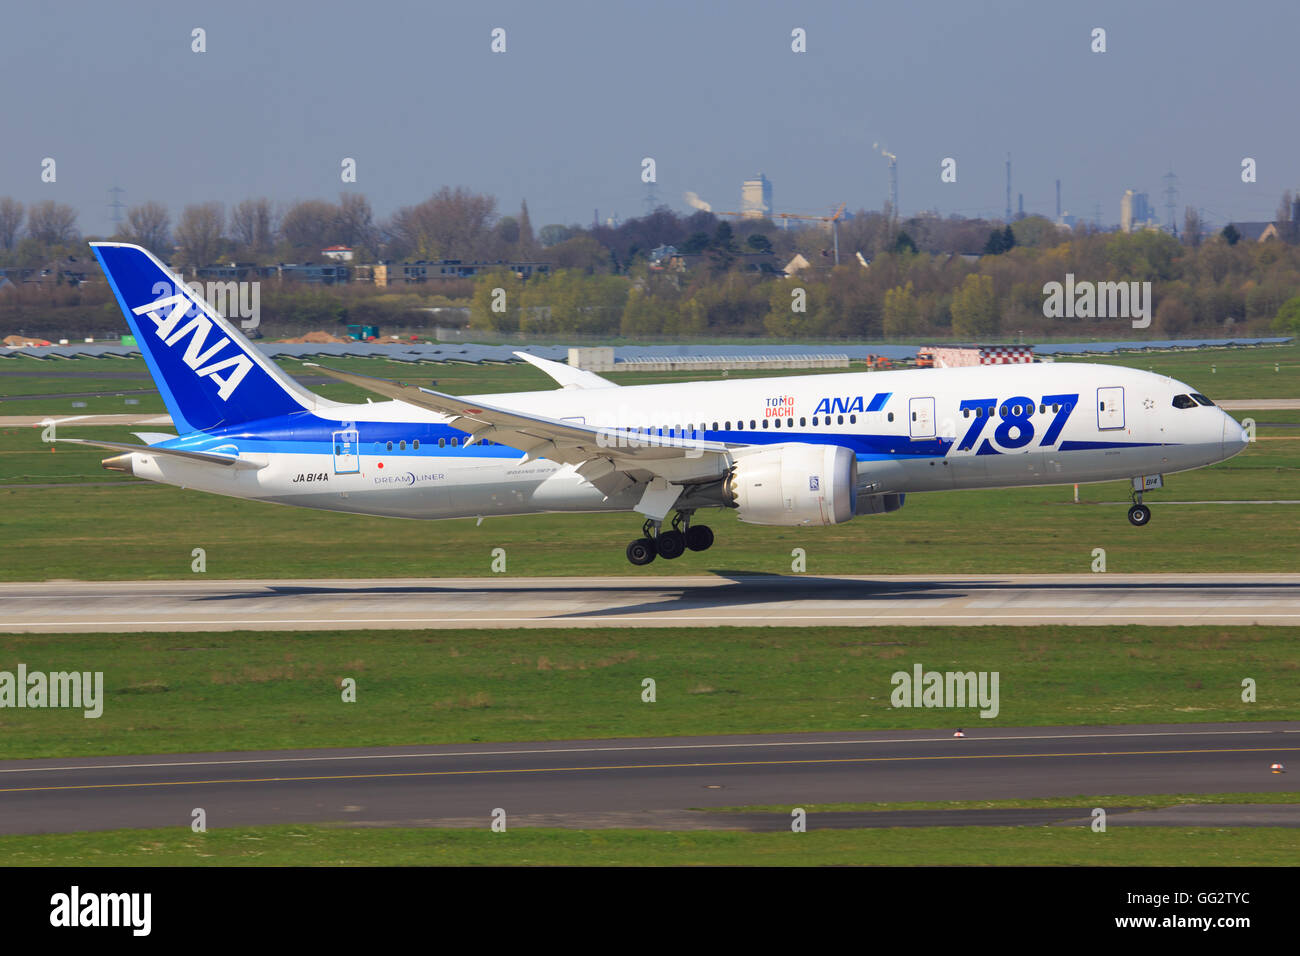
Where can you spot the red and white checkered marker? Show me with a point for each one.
(1006, 355)
(1277, 768)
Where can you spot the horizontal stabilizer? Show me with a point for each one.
(230, 461)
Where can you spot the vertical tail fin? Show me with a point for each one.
(209, 374)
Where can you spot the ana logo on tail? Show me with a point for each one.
(167, 313)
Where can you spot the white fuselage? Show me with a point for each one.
(915, 430)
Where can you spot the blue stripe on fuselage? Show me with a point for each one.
(304, 433)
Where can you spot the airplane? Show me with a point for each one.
(801, 450)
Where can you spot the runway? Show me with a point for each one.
(665, 782)
(716, 600)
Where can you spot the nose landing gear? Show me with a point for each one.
(1139, 514)
(673, 543)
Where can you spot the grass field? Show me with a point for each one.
(150, 530)
(269, 690)
(929, 846)
(1267, 372)
(22, 377)
(1272, 372)
(117, 527)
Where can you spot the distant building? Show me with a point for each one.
(1135, 212)
(756, 198)
(337, 253)
(391, 273)
(659, 253)
(320, 275)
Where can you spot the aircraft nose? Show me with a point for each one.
(1235, 436)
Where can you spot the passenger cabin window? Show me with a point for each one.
(1184, 401)
(390, 446)
(416, 444)
(891, 416)
(839, 419)
(803, 422)
(1202, 400)
(765, 423)
(778, 423)
(853, 419)
(442, 443)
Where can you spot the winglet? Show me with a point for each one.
(567, 375)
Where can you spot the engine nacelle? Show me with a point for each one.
(794, 484)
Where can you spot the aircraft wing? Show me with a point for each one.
(610, 459)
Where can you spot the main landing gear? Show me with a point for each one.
(673, 543)
(1139, 514)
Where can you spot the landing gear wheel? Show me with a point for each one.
(1139, 515)
(671, 544)
(641, 551)
(699, 537)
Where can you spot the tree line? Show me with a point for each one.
(919, 277)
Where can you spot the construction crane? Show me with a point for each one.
(834, 219)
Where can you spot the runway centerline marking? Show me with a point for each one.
(625, 749)
(663, 766)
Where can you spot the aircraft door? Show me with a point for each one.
(1110, 407)
(921, 418)
(347, 459)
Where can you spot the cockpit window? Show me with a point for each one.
(1183, 401)
(1202, 400)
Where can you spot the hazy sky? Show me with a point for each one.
(711, 91)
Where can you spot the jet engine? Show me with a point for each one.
(794, 484)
